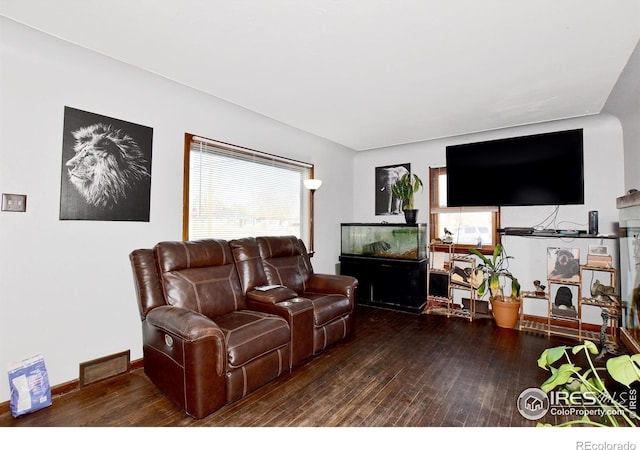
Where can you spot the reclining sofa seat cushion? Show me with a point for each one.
(201, 276)
(286, 262)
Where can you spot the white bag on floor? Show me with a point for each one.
(29, 384)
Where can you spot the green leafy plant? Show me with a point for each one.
(495, 271)
(570, 378)
(405, 187)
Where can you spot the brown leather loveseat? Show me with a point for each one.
(212, 333)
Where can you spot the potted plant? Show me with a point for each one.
(505, 308)
(404, 189)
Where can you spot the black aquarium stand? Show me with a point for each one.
(399, 284)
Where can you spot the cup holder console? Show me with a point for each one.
(291, 301)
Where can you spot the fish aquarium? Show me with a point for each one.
(397, 241)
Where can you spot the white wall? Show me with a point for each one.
(66, 287)
(624, 103)
(604, 182)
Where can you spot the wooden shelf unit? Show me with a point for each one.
(450, 290)
(611, 311)
(549, 325)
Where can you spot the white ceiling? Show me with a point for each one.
(367, 73)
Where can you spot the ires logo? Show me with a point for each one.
(627, 398)
(534, 403)
(563, 398)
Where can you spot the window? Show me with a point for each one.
(233, 192)
(468, 227)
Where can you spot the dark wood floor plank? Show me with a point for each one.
(397, 370)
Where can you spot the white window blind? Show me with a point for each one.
(236, 192)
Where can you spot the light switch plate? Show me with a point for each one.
(14, 202)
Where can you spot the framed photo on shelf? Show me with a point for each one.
(563, 264)
(600, 250)
(599, 256)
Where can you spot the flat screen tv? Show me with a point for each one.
(541, 169)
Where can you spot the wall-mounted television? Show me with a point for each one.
(540, 169)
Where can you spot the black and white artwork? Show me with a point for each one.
(563, 264)
(386, 177)
(106, 168)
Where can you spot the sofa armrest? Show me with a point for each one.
(332, 284)
(274, 295)
(185, 356)
(189, 327)
(185, 324)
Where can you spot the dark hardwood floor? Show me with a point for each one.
(397, 370)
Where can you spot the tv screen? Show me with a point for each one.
(541, 169)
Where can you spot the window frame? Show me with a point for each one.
(231, 149)
(435, 210)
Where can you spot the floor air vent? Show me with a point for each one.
(105, 367)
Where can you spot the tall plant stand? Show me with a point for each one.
(452, 296)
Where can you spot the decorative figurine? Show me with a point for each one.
(539, 288)
(600, 290)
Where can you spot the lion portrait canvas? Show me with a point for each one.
(106, 168)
